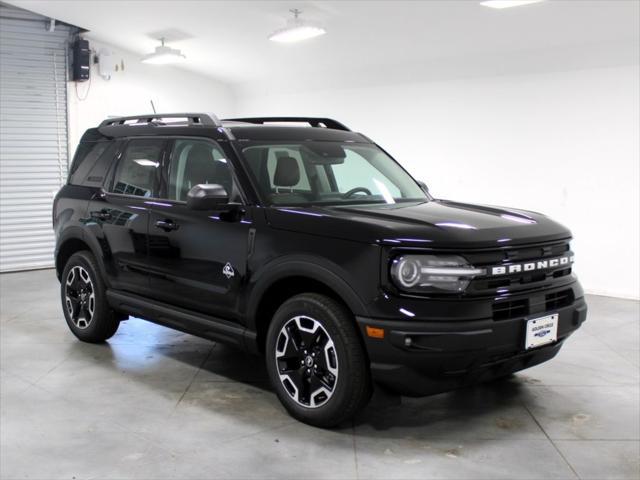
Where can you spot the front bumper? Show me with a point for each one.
(426, 357)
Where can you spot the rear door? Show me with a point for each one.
(119, 214)
(198, 257)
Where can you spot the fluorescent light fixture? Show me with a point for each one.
(296, 30)
(164, 55)
(500, 4)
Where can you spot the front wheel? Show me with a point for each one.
(316, 361)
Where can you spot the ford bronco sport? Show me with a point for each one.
(305, 242)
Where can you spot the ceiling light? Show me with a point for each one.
(500, 4)
(164, 55)
(296, 30)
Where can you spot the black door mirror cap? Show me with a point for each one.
(207, 197)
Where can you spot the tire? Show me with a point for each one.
(316, 361)
(84, 300)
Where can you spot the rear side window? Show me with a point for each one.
(91, 162)
(138, 169)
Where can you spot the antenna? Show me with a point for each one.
(153, 107)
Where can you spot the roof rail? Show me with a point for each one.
(208, 119)
(313, 121)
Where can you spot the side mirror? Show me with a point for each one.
(423, 186)
(207, 197)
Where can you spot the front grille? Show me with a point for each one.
(521, 281)
(506, 309)
(510, 309)
(557, 300)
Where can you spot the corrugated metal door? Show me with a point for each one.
(33, 135)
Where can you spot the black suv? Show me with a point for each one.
(301, 240)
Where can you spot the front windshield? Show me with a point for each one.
(328, 173)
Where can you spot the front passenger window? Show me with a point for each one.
(195, 162)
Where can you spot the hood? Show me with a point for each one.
(437, 223)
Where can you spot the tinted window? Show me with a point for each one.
(138, 168)
(85, 159)
(195, 162)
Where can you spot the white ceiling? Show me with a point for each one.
(367, 41)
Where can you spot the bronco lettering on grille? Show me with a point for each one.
(531, 266)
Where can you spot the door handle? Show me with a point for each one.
(167, 225)
(101, 215)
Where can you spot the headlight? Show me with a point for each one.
(433, 273)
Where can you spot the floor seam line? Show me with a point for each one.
(193, 379)
(623, 358)
(551, 441)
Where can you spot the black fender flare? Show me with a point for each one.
(316, 268)
(78, 233)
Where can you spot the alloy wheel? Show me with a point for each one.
(307, 361)
(80, 298)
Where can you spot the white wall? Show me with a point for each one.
(130, 90)
(566, 144)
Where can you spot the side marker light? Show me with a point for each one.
(374, 332)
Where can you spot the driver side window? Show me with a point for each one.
(195, 162)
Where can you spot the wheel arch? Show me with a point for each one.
(74, 241)
(292, 277)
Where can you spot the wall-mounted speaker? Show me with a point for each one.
(81, 60)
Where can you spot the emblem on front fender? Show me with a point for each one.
(228, 271)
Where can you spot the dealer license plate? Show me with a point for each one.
(541, 331)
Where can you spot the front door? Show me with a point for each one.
(198, 257)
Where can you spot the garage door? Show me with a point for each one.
(33, 135)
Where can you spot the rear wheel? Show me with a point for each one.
(84, 300)
(316, 361)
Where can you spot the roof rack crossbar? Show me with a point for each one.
(208, 119)
(313, 121)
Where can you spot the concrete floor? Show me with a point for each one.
(154, 403)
